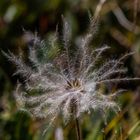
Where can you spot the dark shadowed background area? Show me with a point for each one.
(119, 27)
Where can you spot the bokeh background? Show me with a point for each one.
(119, 27)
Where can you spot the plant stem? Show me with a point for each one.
(78, 130)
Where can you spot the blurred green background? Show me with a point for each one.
(119, 27)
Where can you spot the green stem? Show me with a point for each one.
(78, 130)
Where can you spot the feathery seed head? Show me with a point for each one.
(67, 83)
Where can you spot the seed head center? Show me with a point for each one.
(73, 84)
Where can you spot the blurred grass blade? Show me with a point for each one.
(132, 130)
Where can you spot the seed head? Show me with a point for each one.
(66, 81)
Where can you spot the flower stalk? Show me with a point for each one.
(78, 129)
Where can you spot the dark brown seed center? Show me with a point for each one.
(73, 84)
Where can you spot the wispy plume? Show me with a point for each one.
(66, 83)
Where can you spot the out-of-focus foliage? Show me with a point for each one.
(119, 27)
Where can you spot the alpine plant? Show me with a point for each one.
(62, 80)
